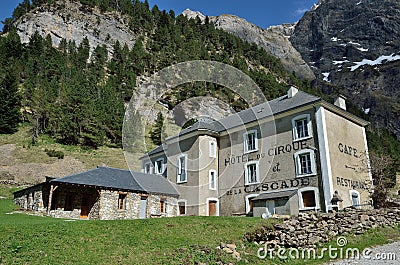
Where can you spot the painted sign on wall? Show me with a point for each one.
(277, 150)
(272, 186)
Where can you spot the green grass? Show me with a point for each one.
(6, 191)
(32, 240)
(26, 239)
(28, 153)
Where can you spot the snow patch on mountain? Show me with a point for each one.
(378, 61)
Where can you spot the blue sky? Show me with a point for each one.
(263, 13)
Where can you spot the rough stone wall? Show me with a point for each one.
(153, 206)
(172, 207)
(31, 199)
(95, 210)
(309, 229)
(154, 209)
(109, 206)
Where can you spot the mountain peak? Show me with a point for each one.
(193, 14)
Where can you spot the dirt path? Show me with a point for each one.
(388, 254)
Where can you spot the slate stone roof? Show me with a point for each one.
(275, 195)
(263, 110)
(107, 177)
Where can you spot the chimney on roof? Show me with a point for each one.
(292, 91)
(340, 102)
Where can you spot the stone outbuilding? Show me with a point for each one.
(102, 193)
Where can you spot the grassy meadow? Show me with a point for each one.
(27, 239)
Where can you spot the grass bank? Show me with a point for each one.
(26, 239)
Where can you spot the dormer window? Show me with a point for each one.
(159, 166)
(250, 141)
(147, 168)
(302, 127)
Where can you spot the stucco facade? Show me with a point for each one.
(291, 154)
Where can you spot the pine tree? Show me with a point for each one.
(10, 102)
(155, 133)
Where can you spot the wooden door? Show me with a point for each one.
(84, 207)
(212, 208)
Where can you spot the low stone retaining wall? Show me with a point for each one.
(309, 229)
(8, 182)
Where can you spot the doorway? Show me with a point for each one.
(270, 205)
(143, 207)
(84, 207)
(212, 207)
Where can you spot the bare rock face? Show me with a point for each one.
(274, 40)
(354, 46)
(74, 21)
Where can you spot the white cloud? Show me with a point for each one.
(301, 11)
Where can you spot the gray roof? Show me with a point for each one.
(263, 110)
(106, 177)
(274, 195)
(156, 150)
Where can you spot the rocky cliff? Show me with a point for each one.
(275, 40)
(347, 46)
(353, 46)
(74, 21)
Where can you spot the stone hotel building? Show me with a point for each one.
(291, 154)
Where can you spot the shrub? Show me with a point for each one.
(54, 153)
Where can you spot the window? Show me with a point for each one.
(213, 148)
(251, 173)
(308, 198)
(159, 166)
(250, 141)
(182, 170)
(213, 180)
(182, 207)
(121, 201)
(162, 206)
(355, 198)
(147, 168)
(305, 164)
(301, 127)
(68, 202)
